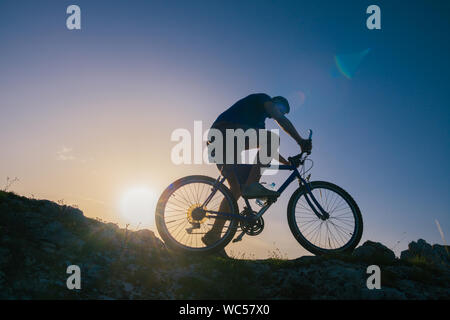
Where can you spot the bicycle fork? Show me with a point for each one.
(323, 215)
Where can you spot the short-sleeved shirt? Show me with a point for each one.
(249, 112)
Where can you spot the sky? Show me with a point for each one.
(87, 115)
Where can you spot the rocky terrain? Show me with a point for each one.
(39, 239)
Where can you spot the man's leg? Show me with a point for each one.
(254, 175)
(216, 230)
(252, 188)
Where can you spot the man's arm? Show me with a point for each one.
(270, 137)
(284, 123)
(283, 160)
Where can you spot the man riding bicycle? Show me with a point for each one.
(251, 113)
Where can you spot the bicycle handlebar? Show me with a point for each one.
(298, 159)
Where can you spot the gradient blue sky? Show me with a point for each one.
(115, 90)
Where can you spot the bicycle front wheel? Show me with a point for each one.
(183, 220)
(341, 232)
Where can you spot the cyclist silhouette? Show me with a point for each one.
(250, 113)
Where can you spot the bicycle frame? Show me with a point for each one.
(319, 211)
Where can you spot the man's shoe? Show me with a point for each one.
(257, 191)
(209, 238)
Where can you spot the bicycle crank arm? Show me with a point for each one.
(194, 226)
(239, 237)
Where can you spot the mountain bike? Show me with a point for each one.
(322, 217)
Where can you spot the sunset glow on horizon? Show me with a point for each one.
(137, 205)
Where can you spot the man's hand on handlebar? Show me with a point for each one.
(282, 160)
(306, 145)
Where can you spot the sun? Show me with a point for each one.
(137, 206)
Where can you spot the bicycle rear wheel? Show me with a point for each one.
(182, 221)
(341, 232)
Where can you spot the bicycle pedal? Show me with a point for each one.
(271, 200)
(194, 226)
(239, 237)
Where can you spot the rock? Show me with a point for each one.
(47, 207)
(108, 234)
(48, 247)
(436, 254)
(146, 237)
(375, 253)
(39, 240)
(55, 234)
(73, 211)
(128, 287)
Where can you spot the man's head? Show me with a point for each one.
(282, 104)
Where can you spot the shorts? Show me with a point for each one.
(234, 170)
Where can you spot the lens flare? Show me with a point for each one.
(296, 99)
(348, 64)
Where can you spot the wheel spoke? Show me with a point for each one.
(330, 234)
(181, 212)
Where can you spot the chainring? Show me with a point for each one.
(252, 228)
